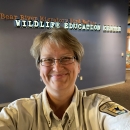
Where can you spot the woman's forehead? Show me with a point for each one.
(53, 42)
(48, 44)
(48, 49)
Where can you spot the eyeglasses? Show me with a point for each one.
(63, 60)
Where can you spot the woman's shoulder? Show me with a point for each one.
(94, 98)
(27, 104)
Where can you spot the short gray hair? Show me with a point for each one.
(60, 37)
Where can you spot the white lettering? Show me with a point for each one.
(30, 25)
(91, 27)
(87, 26)
(41, 24)
(66, 25)
(79, 26)
(57, 24)
(17, 23)
(24, 23)
(83, 27)
(75, 26)
(110, 28)
(70, 26)
(52, 24)
(47, 24)
(35, 24)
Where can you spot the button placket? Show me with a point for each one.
(48, 121)
(69, 123)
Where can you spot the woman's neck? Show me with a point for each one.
(60, 103)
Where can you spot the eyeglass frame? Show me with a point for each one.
(54, 61)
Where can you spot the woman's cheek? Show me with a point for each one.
(44, 72)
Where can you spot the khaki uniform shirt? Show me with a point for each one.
(94, 112)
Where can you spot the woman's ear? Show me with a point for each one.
(40, 78)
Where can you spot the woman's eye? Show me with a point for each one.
(66, 58)
(48, 60)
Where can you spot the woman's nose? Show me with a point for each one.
(57, 65)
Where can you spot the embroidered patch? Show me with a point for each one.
(112, 108)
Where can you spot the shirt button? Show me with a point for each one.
(49, 123)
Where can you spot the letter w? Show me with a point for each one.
(17, 23)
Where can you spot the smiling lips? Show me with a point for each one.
(58, 76)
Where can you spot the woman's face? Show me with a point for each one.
(58, 77)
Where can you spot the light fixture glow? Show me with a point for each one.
(129, 45)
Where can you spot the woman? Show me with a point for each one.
(61, 106)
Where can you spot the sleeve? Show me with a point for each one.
(8, 118)
(114, 116)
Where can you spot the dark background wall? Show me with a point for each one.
(102, 63)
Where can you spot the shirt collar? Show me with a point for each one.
(46, 107)
(70, 110)
(75, 100)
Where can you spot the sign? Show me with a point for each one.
(42, 22)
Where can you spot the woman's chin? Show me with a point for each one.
(59, 86)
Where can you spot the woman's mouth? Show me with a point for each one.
(58, 76)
